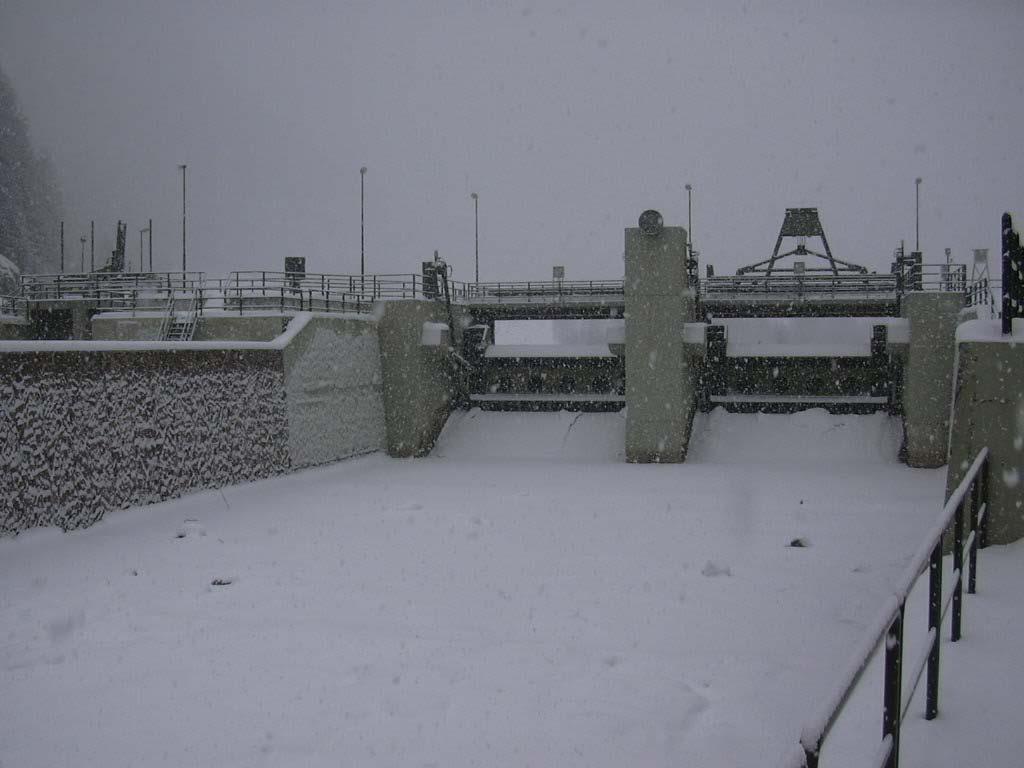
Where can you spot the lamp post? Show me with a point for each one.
(82, 241)
(476, 233)
(362, 222)
(92, 246)
(689, 219)
(184, 262)
(917, 215)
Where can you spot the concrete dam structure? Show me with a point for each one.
(348, 364)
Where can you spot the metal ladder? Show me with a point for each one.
(180, 326)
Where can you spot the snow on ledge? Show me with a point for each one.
(434, 334)
(990, 331)
(297, 323)
(548, 350)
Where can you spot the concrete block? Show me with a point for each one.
(988, 410)
(928, 375)
(419, 387)
(661, 378)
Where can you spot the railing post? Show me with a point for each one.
(893, 691)
(934, 619)
(958, 566)
(972, 575)
(983, 473)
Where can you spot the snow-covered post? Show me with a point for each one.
(661, 383)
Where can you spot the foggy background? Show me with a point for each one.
(568, 119)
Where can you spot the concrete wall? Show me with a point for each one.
(82, 433)
(988, 410)
(84, 430)
(332, 381)
(419, 385)
(235, 328)
(116, 328)
(146, 327)
(14, 331)
(928, 375)
(661, 379)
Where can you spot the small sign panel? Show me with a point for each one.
(558, 273)
(295, 265)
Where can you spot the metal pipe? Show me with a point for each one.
(476, 232)
(917, 214)
(362, 222)
(184, 261)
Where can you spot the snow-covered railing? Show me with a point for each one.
(367, 288)
(835, 286)
(90, 286)
(968, 503)
(543, 289)
(239, 297)
(913, 277)
(985, 293)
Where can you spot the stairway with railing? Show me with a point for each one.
(181, 326)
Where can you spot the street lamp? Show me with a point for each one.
(184, 262)
(362, 222)
(689, 219)
(476, 233)
(917, 215)
(82, 240)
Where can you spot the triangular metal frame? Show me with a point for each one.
(802, 223)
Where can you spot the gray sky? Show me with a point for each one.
(568, 118)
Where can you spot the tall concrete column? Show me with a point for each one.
(988, 412)
(81, 322)
(418, 386)
(928, 375)
(661, 383)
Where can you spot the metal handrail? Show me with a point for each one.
(238, 298)
(367, 287)
(889, 623)
(98, 285)
(13, 306)
(801, 284)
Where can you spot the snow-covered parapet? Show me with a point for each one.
(990, 331)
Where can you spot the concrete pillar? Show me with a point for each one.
(928, 375)
(988, 410)
(81, 322)
(661, 382)
(418, 382)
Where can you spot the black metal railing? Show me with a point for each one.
(13, 307)
(367, 288)
(832, 286)
(240, 299)
(967, 505)
(542, 289)
(91, 286)
(984, 292)
(1013, 275)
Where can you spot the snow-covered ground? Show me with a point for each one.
(521, 597)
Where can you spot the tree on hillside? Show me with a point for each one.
(30, 202)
